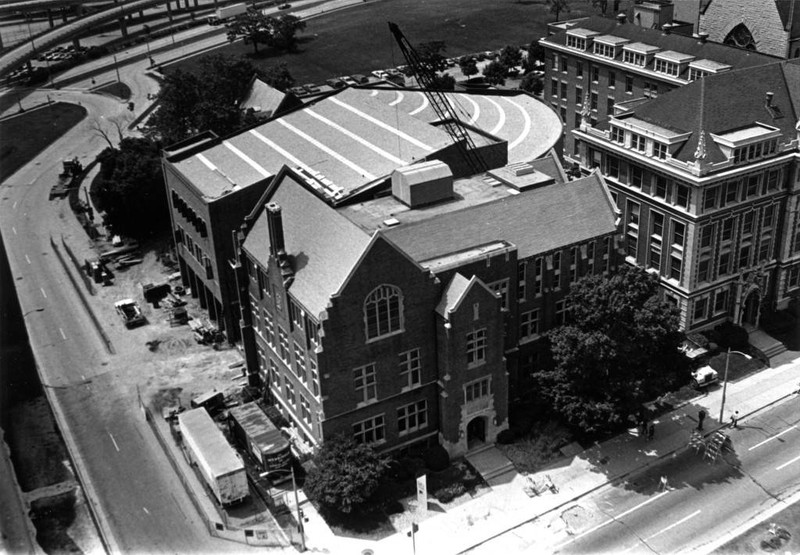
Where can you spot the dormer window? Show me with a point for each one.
(695, 74)
(668, 68)
(604, 50)
(617, 135)
(634, 58)
(659, 150)
(638, 142)
(579, 43)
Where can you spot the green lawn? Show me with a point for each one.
(357, 39)
(30, 133)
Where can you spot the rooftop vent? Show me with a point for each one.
(424, 183)
(621, 19)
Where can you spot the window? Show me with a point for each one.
(288, 392)
(269, 327)
(612, 166)
(617, 135)
(634, 58)
(669, 68)
(477, 389)
(604, 50)
(637, 176)
(721, 301)
(772, 180)
(557, 270)
(724, 266)
(371, 430)
(284, 345)
(710, 198)
(295, 313)
(579, 69)
(263, 283)
(412, 417)
(706, 236)
(628, 84)
(554, 62)
(275, 374)
(537, 276)
(593, 100)
(383, 312)
(312, 364)
(305, 409)
(522, 270)
(365, 384)
(595, 74)
(561, 312)
(528, 325)
(650, 89)
(554, 87)
(747, 223)
(501, 288)
(731, 191)
(727, 229)
(700, 309)
(764, 249)
(656, 239)
(612, 79)
(637, 142)
(768, 216)
(564, 65)
(578, 95)
(255, 310)
(610, 106)
(751, 189)
(744, 256)
(662, 187)
(632, 235)
(682, 196)
(563, 91)
(300, 362)
(659, 150)
(678, 234)
(476, 347)
(703, 269)
(793, 278)
(590, 258)
(410, 368)
(573, 264)
(695, 74)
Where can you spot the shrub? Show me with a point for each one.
(730, 336)
(413, 466)
(505, 437)
(437, 459)
(447, 494)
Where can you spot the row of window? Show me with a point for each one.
(195, 251)
(189, 215)
(655, 185)
(410, 418)
(365, 380)
(755, 151)
(655, 241)
(270, 374)
(710, 305)
(741, 189)
(639, 143)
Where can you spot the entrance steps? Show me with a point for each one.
(767, 345)
(489, 462)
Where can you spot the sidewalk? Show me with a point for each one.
(507, 506)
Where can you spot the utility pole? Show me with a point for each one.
(116, 68)
(299, 515)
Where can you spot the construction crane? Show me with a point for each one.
(437, 99)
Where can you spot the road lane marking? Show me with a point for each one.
(671, 526)
(789, 429)
(114, 441)
(14, 229)
(784, 465)
(614, 519)
(145, 510)
(62, 334)
(43, 293)
(15, 206)
(27, 259)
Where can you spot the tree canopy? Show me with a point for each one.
(130, 189)
(510, 57)
(468, 65)
(619, 349)
(431, 56)
(557, 7)
(495, 73)
(257, 28)
(345, 476)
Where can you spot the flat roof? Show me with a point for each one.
(349, 138)
(261, 431)
(612, 40)
(218, 454)
(641, 47)
(673, 56)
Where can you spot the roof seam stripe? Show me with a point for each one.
(252, 163)
(382, 125)
(502, 120)
(278, 149)
(421, 106)
(206, 162)
(398, 100)
(526, 128)
(361, 140)
(346, 161)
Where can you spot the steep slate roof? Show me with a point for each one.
(323, 246)
(725, 102)
(263, 97)
(453, 293)
(536, 221)
(735, 57)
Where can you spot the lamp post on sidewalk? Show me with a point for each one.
(725, 380)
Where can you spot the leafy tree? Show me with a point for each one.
(532, 84)
(345, 476)
(510, 57)
(558, 6)
(257, 28)
(278, 77)
(190, 103)
(130, 188)
(535, 53)
(431, 56)
(444, 82)
(602, 4)
(495, 73)
(618, 350)
(468, 65)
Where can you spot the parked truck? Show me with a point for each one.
(130, 312)
(226, 13)
(218, 463)
(254, 431)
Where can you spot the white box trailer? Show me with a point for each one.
(218, 462)
(227, 12)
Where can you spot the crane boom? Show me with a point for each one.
(438, 101)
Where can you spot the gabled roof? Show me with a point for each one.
(724, 102)
(262, 98)
(536, 221)
(455, 292)
(736, 57)
(322, 245)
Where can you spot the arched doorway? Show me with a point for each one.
(476, 432)
(750, 314)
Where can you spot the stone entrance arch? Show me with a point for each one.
(476, 432)
(751, 309)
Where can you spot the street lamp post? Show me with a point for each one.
(116, 67)
(725, 380)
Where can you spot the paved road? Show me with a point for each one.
(143, 505)
(703, 503)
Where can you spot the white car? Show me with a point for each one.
(380, 74)
(704, 376)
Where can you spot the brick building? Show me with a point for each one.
(769, 26)
(707, 177)
(348, 142)
(593, 64)
(411, 318)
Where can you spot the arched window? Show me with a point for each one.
(741, 37)
(383, 311)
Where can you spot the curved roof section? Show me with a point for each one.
(530, 127)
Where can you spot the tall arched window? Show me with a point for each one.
(741, 37)
(383, 311)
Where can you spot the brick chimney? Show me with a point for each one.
(621, 18)
(277, 246)
(703, 37)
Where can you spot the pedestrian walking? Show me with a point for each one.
(664, 484)
(651, 431)
(701, 416)
(735, 419)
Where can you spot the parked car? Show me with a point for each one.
(335, 83)
(380, 74)
(704, 376)
(311, 88)
(298, 91)
(284, 6)
(347, 80)
(359, 78)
